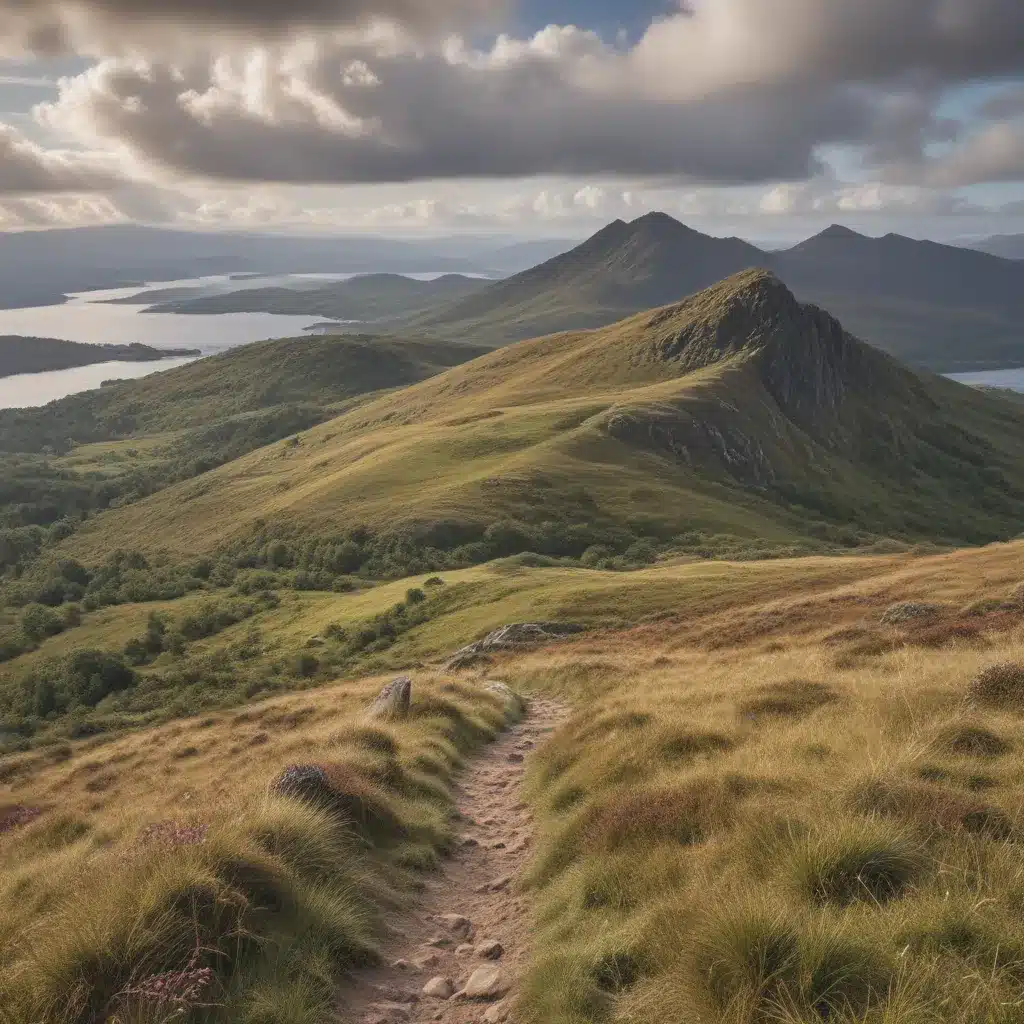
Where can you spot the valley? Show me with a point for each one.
(754, 758)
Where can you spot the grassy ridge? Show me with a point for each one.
(788, 814)
(165, 853)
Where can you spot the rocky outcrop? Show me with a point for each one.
(513, 637)
(393, 701)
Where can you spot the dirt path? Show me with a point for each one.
(457, 956)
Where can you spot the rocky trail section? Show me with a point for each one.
(457, 956)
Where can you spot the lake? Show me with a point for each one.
(89, 317)
(1012, 379)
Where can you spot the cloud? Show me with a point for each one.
(115, 26)
(993, 153)
(388, 111)
(727, 91)
(26, 167)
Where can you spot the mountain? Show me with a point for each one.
(367, 298)
(738, 411)
(35, 355)
(622, 269)
(935, 306)
(42, 267)
(1010, 247)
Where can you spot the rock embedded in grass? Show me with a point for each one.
(393, 701)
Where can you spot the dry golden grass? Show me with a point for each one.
(171, 850)
(754, 814)
(753, 833)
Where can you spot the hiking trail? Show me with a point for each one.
(458, 953)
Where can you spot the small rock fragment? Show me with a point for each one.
(439, 988)
(470, 842)
(500, 884)
(497, 1013)
(466, 947)
(401, 965)
(439, 941)
(425, 962)
(490, 949)
(516, 758)
(457, 925)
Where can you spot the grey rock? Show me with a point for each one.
(514, 636)
(393, 701)
(439, 988)
(490, 949)
(486, 983)
(497, 1013)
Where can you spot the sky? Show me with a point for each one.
(525, 118)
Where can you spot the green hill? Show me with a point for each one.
(129, 439)
(738, 411)
(318, 370)
(367, 298)
(35, 355)
(935, 306)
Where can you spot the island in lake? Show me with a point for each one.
(36, 355)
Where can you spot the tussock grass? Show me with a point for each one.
(216, 867)
(764, 836)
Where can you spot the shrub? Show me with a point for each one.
(971, 741)
(907, 611)
(1000, 686)
(39, 622)
(414, 596)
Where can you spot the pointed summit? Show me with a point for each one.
(839, 232)
(622, 269)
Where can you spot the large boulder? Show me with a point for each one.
(393, 701)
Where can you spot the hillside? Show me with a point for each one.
(624, 268)
(787, 790)
(315, 371)
(737, 412)
(935, 306)
(36, 355)
(129, 439)
(939, 306)
(367, 298)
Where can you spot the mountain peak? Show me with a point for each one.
(839, 232)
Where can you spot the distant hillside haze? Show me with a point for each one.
(1010, 247)
(42, 267)
(935, 306)
(36, 355)
(365, 299)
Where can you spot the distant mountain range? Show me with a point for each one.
(936, 306)
(41, 267)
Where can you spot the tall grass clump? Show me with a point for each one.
(243, 909)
